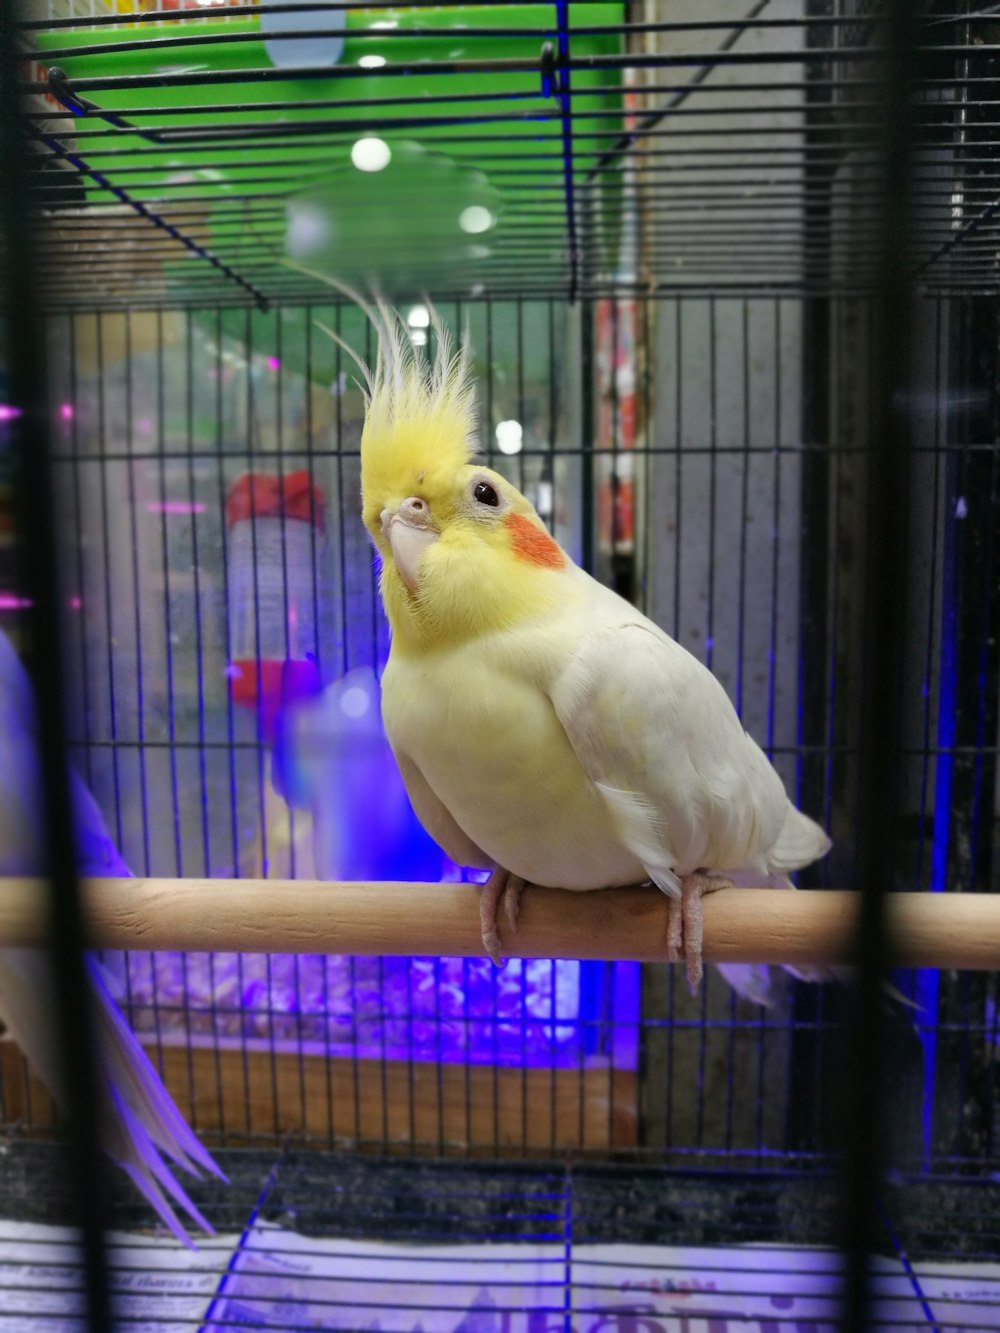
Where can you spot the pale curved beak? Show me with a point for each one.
(410, 532)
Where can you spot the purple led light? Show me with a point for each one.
(8, 413)
(9, 601)
(66, 411)
(273, 363)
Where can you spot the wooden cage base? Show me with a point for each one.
(236, 1092)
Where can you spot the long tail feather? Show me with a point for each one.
(139, 1119)
(755, 981)
(145, 1168)
(130, 1071)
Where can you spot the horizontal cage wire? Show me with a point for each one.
(731, 151)
(662, 228)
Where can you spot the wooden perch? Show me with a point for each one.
(950, 930)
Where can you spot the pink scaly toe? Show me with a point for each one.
(675, 930)
(688, 911)
(512, 901)
(489, 900)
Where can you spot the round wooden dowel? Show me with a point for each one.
(295, 916)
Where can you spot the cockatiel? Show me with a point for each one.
(139, 1119)
(545, 729)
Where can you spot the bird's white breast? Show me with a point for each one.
(484, 734)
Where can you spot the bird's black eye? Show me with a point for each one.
(486, 494)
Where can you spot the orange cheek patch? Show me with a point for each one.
(532, 544)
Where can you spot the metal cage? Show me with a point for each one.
(730, 277)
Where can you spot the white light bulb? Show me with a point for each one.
(308, 231)
(371, 62)
(354, 702)
(371, 154)
(510, 437)
(418, 317)
(419, 337)
(475, 219)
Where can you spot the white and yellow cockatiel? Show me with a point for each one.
(545, 729)
(139, 1121)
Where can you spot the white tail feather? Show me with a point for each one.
(800, 842)
(139, 1118)
(144, 1166)
(751, 981)
(130, 1071)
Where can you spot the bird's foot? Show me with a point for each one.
(501, 884)
(512, 901)
(684, 923)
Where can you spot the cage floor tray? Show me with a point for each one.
(276, 1279)
(326, 1241)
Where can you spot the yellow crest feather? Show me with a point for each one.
(421, 414)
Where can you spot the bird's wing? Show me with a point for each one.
(437, 819)
(657, 735)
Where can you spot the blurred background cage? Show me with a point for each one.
(660, 223)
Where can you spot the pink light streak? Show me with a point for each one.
(66, 411)
(175, 506)
(273, 363)
(10, 601)
(8, 413)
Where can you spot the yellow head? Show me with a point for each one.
(463, 552)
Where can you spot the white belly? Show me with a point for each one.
(494, 752)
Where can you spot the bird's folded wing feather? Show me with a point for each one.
(437, 819)
(657, 735)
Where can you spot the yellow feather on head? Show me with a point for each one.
(485, 568)
(420, 426)
(421, 417)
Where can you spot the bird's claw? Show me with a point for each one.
(491, 943)
(675, 930)
(684, 924)
(512, 901)
(501, 884)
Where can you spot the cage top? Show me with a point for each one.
(187, 150)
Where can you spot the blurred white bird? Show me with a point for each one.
(139, 1120)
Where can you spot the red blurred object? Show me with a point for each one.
(261, 495)
(615, 344)
(281, 683)
(616, 512)
(147, 5)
